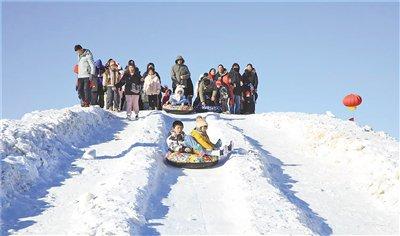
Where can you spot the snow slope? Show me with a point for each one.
(88, 171)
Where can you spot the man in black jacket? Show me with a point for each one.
(236, 80)
(250, 79)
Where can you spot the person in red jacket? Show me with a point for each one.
(225, 87)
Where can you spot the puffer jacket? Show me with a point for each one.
(202, 139)
(152, 85)
(225, 80)
(86, 64)
(175, 142)
(133, 83)
(111, 77)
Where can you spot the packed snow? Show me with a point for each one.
(90, 171)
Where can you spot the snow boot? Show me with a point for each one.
(224, 151)
(230, 146)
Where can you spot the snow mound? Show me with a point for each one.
(33, 148)
(372, 158)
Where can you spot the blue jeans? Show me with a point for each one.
(189, 141)
(235, 109)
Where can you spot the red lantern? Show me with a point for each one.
(76, 69)
(351, 101)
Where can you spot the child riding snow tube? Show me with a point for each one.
(192, 151)
(177, 103)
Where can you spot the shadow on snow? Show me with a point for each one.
(284, 183)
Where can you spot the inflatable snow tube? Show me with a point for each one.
(216, 109)
(185, 109)
(190, 160)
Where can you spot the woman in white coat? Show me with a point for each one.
(152, 88)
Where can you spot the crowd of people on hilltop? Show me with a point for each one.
(120, 88)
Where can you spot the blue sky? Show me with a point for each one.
(308, 55)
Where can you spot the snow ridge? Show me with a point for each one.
(33, 148)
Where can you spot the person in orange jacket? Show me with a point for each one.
(225, 87)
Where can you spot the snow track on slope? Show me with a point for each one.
(235, 197)
(109, 193)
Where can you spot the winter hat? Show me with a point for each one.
(179, 57)
(131, 63)
(98, 64)
(200, 122)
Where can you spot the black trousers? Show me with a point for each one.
(84, 90)
(153, 101)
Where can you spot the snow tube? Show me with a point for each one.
(206, 108)
(190, 160)
(185, 109)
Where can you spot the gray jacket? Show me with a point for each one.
(210, 89)
(86, 64)
(180, 74)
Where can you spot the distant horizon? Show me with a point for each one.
(308, 56)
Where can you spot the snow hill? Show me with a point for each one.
(89, 171)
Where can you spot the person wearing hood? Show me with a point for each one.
(180, 75)
(133, 85)
(236, 81)
(86, 74)
(152, 88)
(97, 86)
(178, 98)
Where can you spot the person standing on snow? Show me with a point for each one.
(152, 88)
(151, 65)
(180, 75)
(225, 89)
(111, 77)
(86, 74)
(133, 85)
(236, 81)
(250, 81)
(99, 75)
